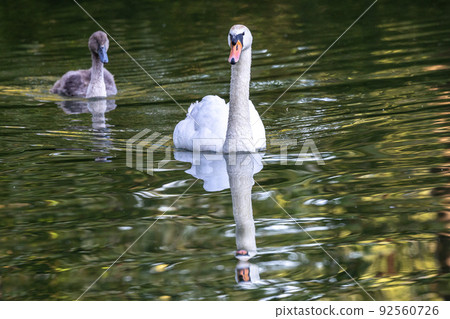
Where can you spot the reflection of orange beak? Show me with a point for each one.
(243, 275)
(235, 53)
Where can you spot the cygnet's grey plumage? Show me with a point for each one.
(95, 82)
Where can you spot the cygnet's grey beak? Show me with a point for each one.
(102, 54)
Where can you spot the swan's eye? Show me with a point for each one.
(235, 38)
(240, 37)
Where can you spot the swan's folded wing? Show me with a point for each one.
(258, 130)
(73, 83)
(205, 122)
(184, 133)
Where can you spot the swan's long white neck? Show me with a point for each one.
(239, 133)
(97, 87)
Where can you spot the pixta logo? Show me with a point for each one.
(144, 144)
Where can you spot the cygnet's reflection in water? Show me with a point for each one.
(234, 171)
(97, 107)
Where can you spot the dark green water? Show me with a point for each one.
(376, 105)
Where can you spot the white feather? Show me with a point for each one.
(207, 121)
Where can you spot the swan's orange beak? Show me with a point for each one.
(235, 52)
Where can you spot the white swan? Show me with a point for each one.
(213, 125)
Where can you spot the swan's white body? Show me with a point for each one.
(214, 126)
(207, 122)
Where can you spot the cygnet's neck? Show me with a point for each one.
(97, 87)
(239, 133)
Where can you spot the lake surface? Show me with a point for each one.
(376, 105)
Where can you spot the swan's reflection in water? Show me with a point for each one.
(236, 172)
(97, 107)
